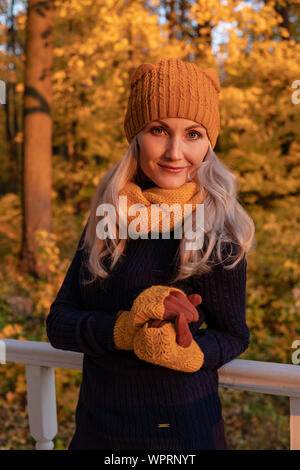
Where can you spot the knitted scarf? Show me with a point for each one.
(164, 218)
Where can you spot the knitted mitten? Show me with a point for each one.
(149, 304)
(124, 330)
(159, 346)
(183, 333)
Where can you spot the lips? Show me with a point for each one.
(172, 167)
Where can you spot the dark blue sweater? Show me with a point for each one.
(129, 404)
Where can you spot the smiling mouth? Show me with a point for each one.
(172, 168)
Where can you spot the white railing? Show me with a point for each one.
(41, 358)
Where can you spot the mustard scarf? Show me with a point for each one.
(189, 193)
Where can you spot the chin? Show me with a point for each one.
(171, 183)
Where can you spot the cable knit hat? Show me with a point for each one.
(173, 88)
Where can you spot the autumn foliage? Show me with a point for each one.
(96, 45)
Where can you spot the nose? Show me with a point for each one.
(174, 151)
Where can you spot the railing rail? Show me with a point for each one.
(41, 358)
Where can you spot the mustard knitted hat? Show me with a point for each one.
(173, 88)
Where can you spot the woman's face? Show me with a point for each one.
(175, 143)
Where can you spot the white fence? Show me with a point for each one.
(40, 359)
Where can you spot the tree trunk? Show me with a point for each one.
(284, 12)
(10, 107)
(37, 181)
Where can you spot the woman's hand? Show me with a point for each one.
(156, 303)
(177, 303)
(181, 310)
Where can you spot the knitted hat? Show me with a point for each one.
(173, 88)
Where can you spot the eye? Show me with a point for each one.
(197, 133)
(156, 128)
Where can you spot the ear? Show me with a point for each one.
(139, 72)
(213, 75)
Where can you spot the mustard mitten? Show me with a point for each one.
(159, 346)
(149, 304)
(124, 331)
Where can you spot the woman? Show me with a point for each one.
(134, 305)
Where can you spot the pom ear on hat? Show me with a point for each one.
(213, 75)
(139, 72)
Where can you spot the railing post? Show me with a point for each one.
(41, 402)
(294, 423)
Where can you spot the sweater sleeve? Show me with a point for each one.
(224, 306)
(69, 326)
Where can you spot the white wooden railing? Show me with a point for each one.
(41, 358)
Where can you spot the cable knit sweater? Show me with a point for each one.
(126, 403)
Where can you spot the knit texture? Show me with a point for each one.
(158, 346)
(147, 305)
(126, 403)
(155, 345)
(176, 204)
(173, 88)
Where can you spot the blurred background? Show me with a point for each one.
(66, 67)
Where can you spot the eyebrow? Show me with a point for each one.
(186, 129)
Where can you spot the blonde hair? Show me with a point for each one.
(225, 220)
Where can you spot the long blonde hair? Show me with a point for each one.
(225, 220)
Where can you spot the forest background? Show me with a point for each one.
(66, 65)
